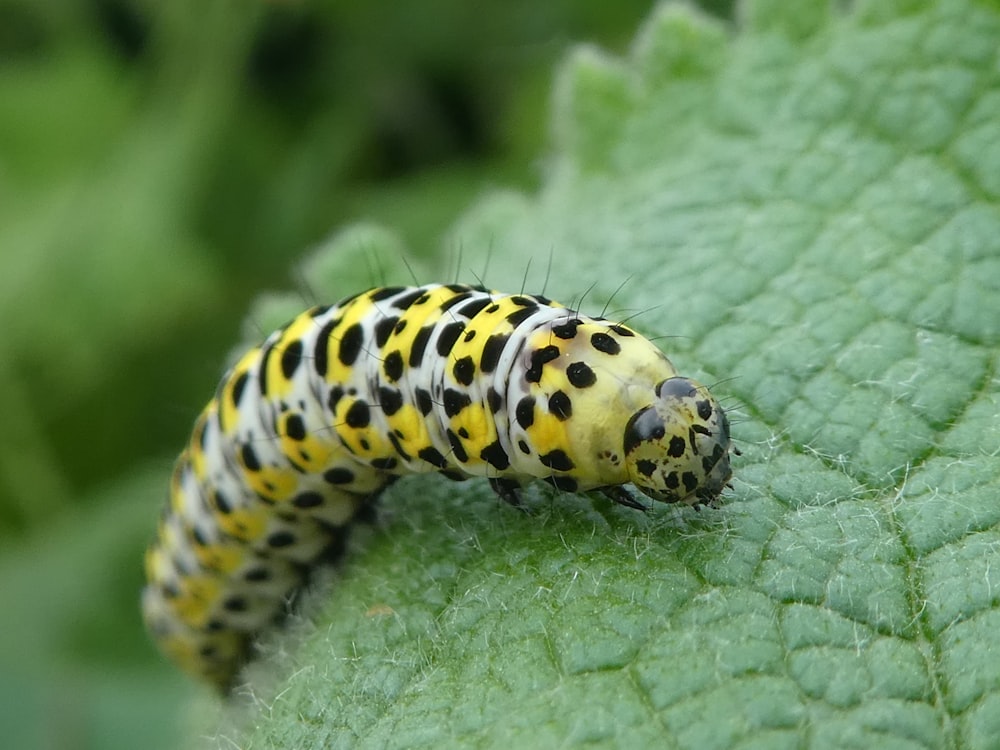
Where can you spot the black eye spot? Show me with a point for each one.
(398, 447)
(408, 300)
(455, 401)
(449, 335)
(602, 342)
(557, 460)
(495, 455)
(359, 415)
(295, 428)
(291, 358)
(420, 345)
(494, 400)
(424, 401)
(221, 504)
(645, 467)
(239, 385)
(566, 330)
(321, 356)
(525, 412)
(350, 344)
(458, 298)
(464, 371)
(433, 456)
(249, 456)
(677, 447)
(377, 295)
(308, 500)
(539, 358)
(525, 449)
(491, 352)
(704, 409)
(560, 406)
(265, 358)
(473, 308)
(336, 393)
(384, 329)
(580, 375)
(458, 450)
(338, 476)
(519, 316)
(690, 481)
(393, 365)
(389, 400)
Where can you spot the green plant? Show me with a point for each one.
(809, 208)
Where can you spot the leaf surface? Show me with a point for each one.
(806, 208)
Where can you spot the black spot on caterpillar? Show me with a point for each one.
(307, 428)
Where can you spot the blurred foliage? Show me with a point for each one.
(159, 165)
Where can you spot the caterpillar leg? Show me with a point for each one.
(367, 512)
(622, 496)
(507, 490)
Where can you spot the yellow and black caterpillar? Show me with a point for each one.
(307, 428)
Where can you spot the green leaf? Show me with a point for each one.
(75, 660)
(807, 206)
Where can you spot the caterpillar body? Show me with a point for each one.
(306, 429)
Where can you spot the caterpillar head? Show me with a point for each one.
(677, 448)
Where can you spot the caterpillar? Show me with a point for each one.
(306, 429)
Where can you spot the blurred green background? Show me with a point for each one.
(160, 164)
